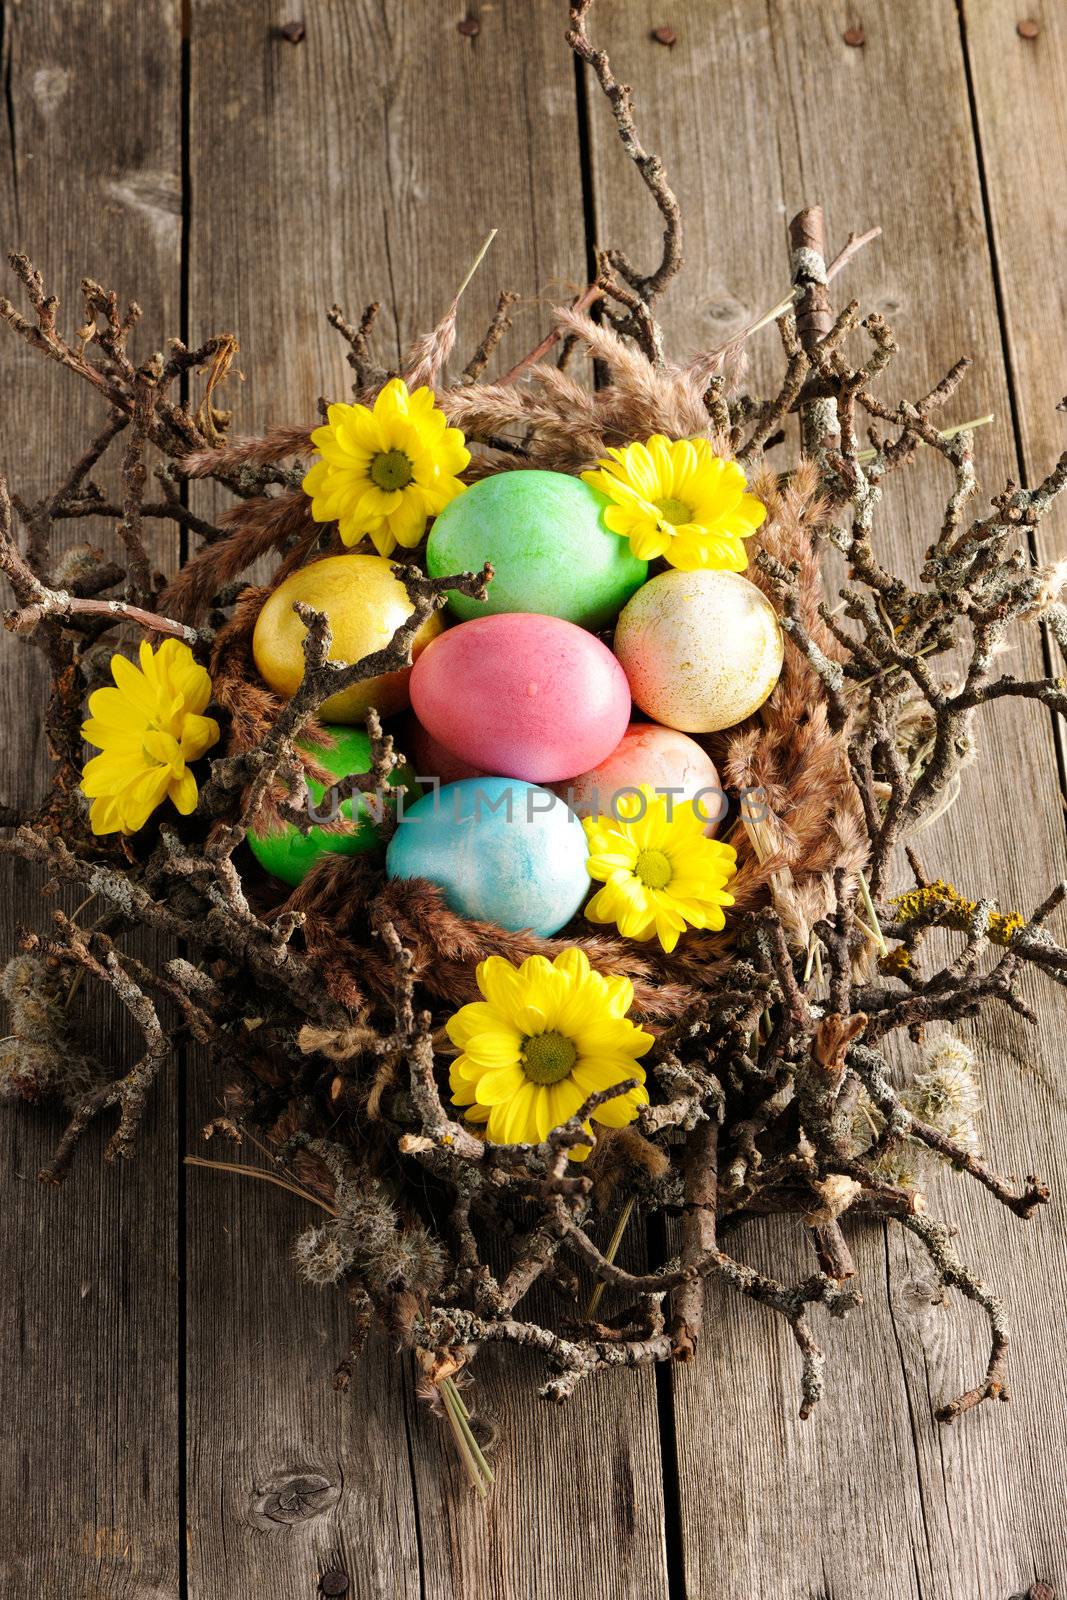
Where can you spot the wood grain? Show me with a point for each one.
(578, 1506)
(368, 162)
(756, 114)
(90, 182)
(1019, 89)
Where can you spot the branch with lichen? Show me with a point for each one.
(322, 1010)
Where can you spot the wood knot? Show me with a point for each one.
(291, 1497)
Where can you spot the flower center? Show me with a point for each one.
(391, 470)
(676, 512)
(654, 869)
(548, 1057)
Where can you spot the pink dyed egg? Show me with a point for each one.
(426, 755)
(663, 757)
(524, 695)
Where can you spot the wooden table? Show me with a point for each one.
(170, 1425)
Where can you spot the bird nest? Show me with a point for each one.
(319, 1013)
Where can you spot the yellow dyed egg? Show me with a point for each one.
(365, 603)
(701, 650)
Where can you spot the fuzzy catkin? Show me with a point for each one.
(945, 1092)
(321, 1257)
(41, 1059)
(367, 1237)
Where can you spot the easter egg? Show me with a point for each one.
(431, 759)
(702, 650)
(365, 604)
(503, 851)
(551, 552)
(529, 696)
(289, 854)
(668, 760)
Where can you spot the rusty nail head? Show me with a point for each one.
(665, 36)
(855, 37)
(1028, 28)
(470, 27)
(334, 1583)
(293, 32)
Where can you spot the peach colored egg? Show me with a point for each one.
(523, 695)
(701, 650)
(663, 757)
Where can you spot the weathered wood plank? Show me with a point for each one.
(758, 110)
(89, 183)
(369, 161)
(1020, 93)
(578, 1505)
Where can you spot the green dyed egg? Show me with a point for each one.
(544, 533)
(290, 854)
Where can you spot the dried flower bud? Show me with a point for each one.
(321, 1257)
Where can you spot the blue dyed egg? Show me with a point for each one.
(501, 850)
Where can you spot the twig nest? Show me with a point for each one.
(528, 696)
(662, 757)
(365, 605)
(503, 851)
(701, 650)
(551, 552)
(287, 853)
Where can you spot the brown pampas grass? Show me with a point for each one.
(425, 361)
(256, 528)
(805, 818)
(566, 426)
(446, 948)
(276, 444)
(727, 361)
(664, 399)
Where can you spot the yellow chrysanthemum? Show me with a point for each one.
(677, 498)
(385, 471)
(546, 1036)
(149, 727)
(660, 873)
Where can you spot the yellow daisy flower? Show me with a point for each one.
(149, 727)
(676, 498)
(385, 471)
(546, 1036)
(660, 873)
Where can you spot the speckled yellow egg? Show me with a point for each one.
(701, 650)
(365, 603)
